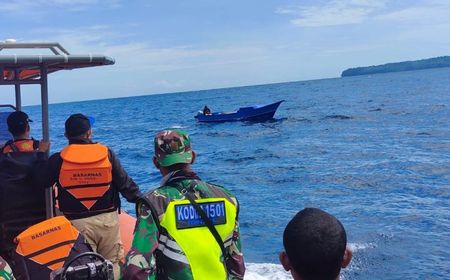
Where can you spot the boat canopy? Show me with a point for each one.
(28, 69)
(18, 69)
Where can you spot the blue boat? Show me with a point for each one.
(257, 113)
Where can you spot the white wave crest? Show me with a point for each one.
(361, 246)
(263, 271)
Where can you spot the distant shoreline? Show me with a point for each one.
(435, 62)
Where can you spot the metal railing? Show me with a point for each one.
(56, 48)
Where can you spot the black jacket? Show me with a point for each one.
(22, 200)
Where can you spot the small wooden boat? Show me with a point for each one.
(252, 113)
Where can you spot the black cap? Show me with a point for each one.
(77, 124)
(17, 122)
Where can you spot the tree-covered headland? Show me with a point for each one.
(435, 62)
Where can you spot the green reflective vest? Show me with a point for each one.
(195, 239)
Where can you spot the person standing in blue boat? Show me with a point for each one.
(186, 228)
(206, 111)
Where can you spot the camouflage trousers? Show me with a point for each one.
(5, 270)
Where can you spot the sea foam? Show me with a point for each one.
(262, 271)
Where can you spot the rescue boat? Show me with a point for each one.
(17, 70)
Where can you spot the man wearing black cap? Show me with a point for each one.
(22, 200)
(89, 178)
(19, 127)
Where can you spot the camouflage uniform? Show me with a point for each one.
(5, 271)
(154, 253)
(146, 260)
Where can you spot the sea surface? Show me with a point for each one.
(372, 150)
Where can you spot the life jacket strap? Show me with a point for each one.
(87, 186)
(145, 201)
(35, 144)
(16, 149)
(12, 145)
(52, 247)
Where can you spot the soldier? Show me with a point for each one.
(186, 228)
(5, 271)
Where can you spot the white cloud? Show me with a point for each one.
(338, 12)
(144, 68)
(134, 56)
(343, 12)
(43, 6)
(434, 12)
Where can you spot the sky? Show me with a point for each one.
(178, 45)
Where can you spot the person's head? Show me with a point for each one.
(78, 126)
(19, 124)
(315, 246)
(172, 150)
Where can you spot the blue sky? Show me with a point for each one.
(171, 46)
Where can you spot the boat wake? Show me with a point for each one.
(263, 271)
(272, 271)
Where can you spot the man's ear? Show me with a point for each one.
(156, 163)
(194, 155)
(347, 257)
(284, 260)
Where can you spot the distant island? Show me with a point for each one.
(435, 62)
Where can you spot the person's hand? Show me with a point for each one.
(43, 146)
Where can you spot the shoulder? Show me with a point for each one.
(55, 162)
(228, 194)
(160, 197)
(111, 154)
(55, 158)
(221, 188)
(207, 189)
(101, 147)
(165, 193)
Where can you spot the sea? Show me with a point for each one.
(372, 150)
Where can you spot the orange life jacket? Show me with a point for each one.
(45, 247)
(22, 145)
(85, 179)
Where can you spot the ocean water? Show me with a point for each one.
(372, 150)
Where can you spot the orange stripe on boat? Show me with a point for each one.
(127, 224)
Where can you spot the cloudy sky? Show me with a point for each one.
(178, 45)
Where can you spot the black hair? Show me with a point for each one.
(315, 243)
(18, 122)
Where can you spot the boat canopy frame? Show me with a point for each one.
(18, 69)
